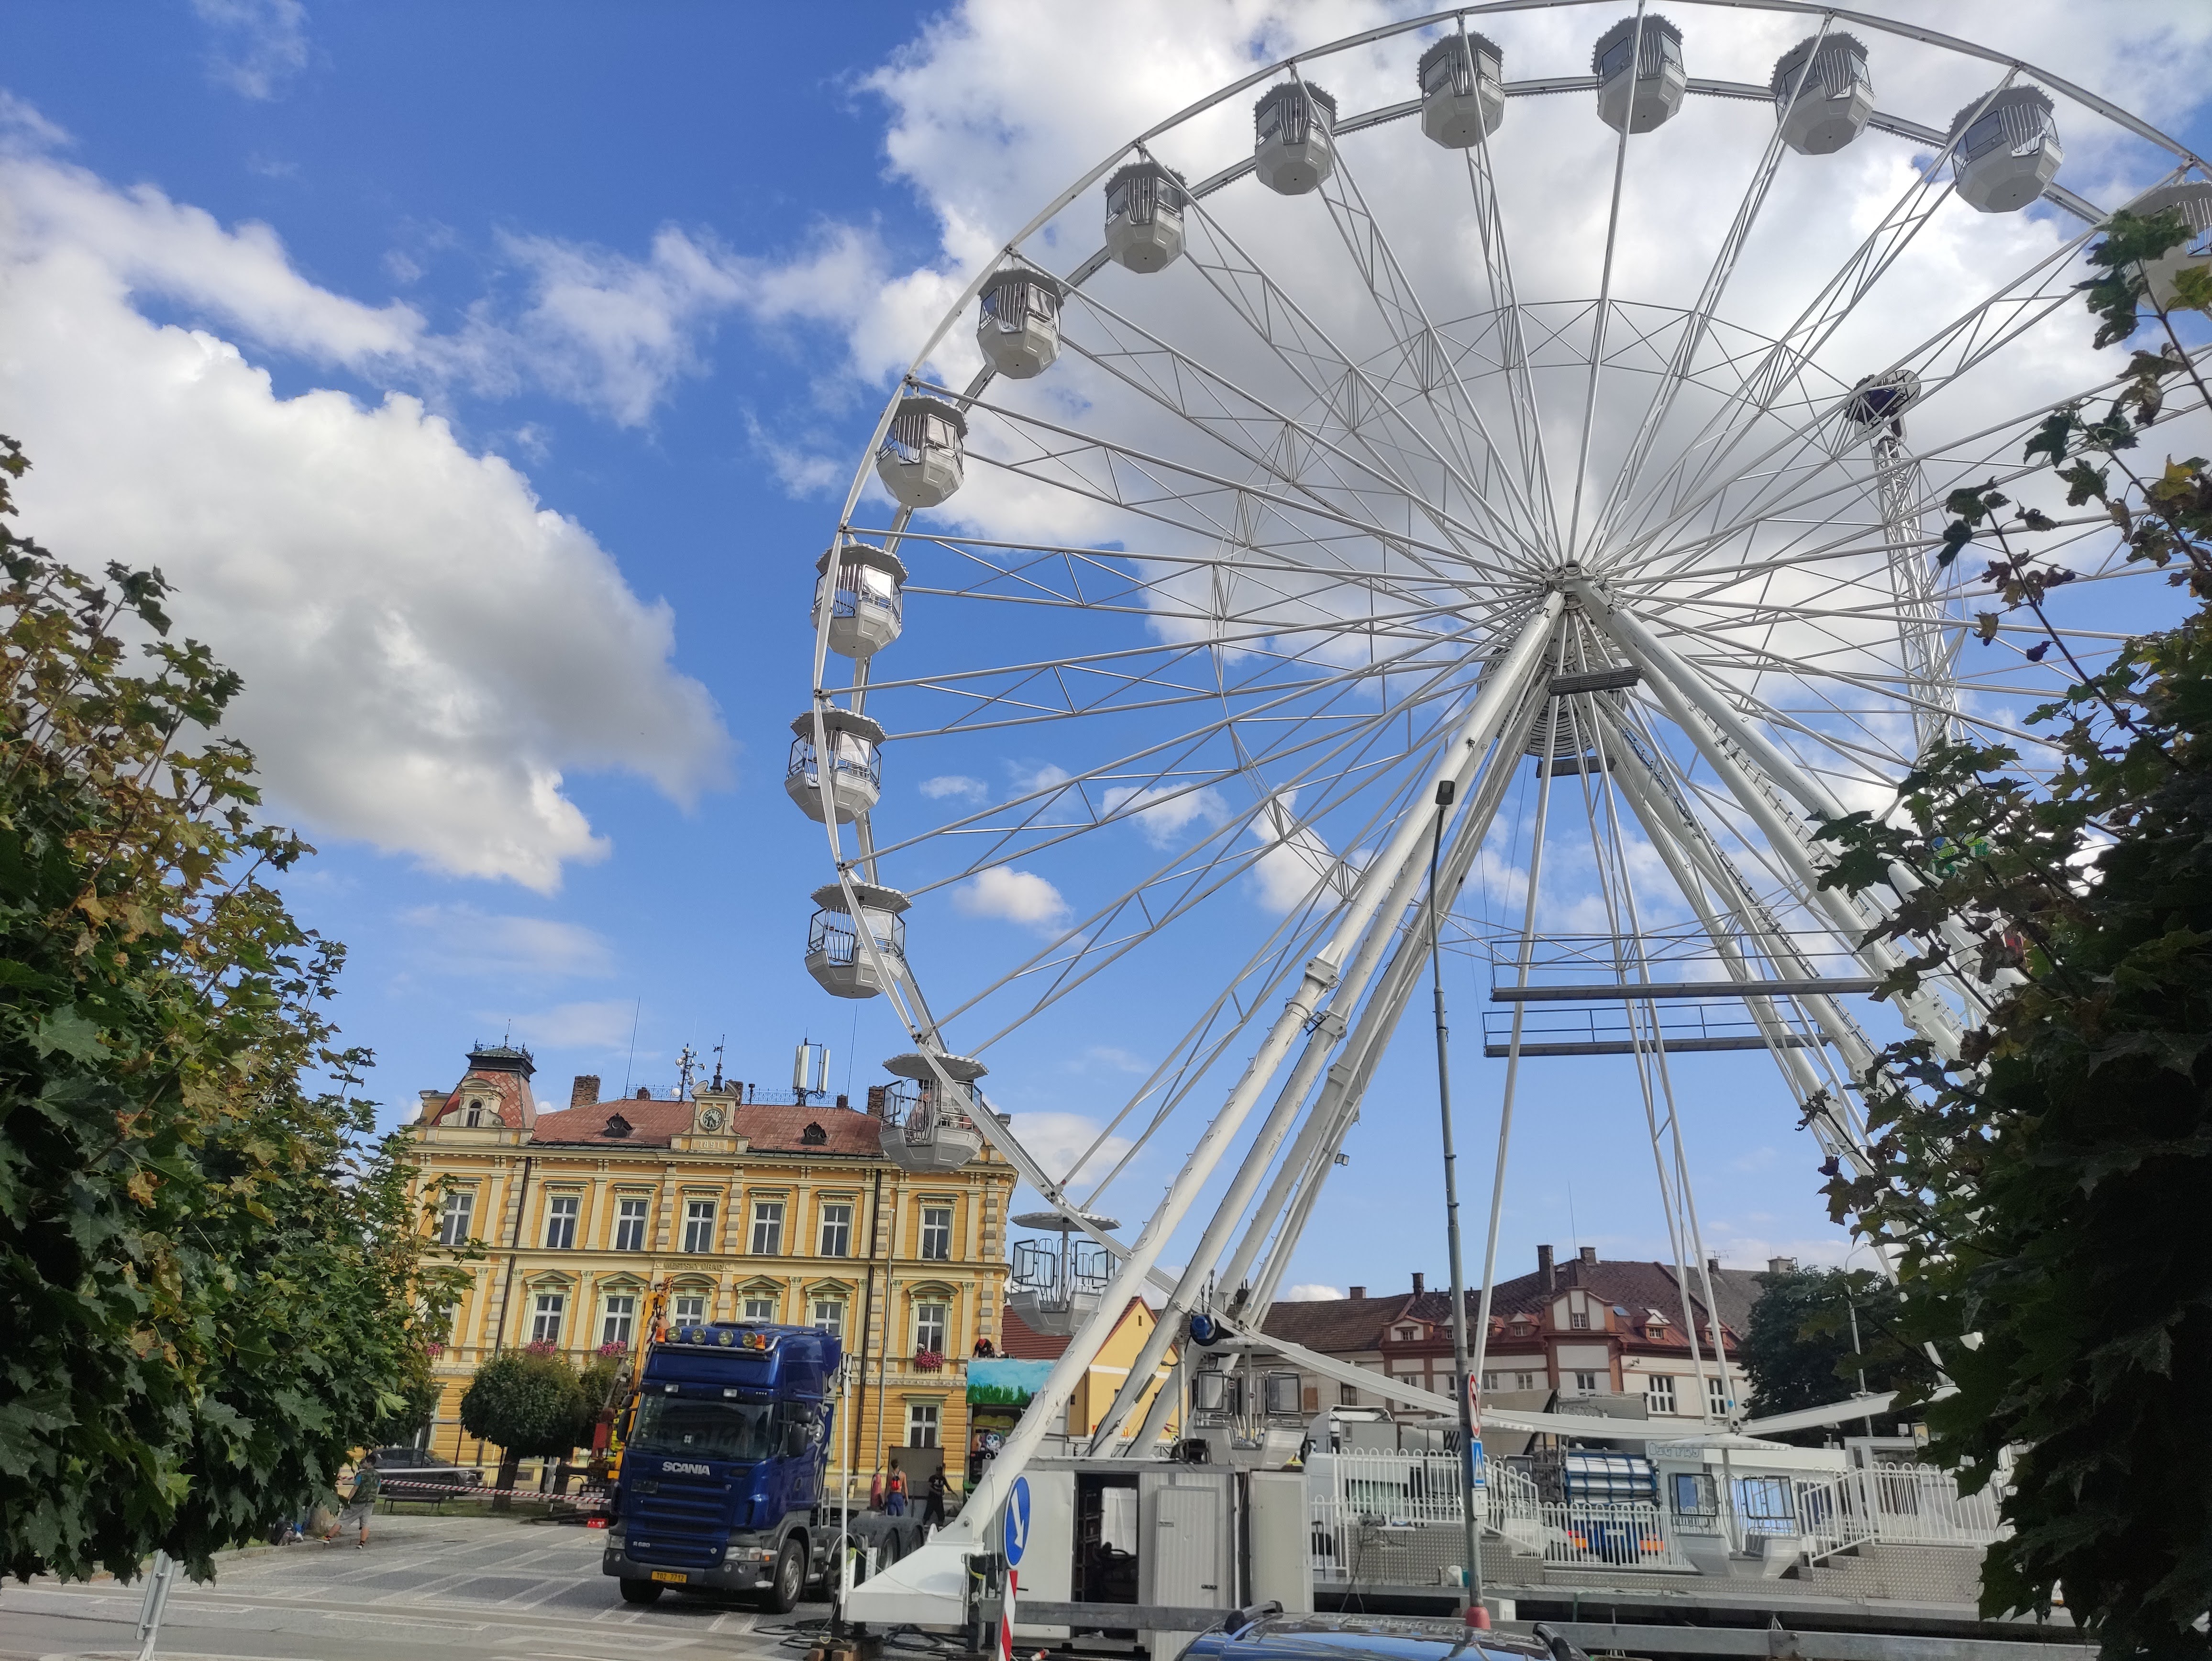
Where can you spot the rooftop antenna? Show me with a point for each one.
(809, 1071)
(632, 1056)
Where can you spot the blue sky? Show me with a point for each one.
(572, 321)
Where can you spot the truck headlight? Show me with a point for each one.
(747, 1553)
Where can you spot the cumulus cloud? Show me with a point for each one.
(606, 1024)
(1164, 813)
(1013, 896)
(263, 44)
(1310, 1291)
(1056, 1139)
(465, 939)
(956, 785)
(427, 651)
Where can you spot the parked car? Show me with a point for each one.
(1265, 1634)
(409, 1471)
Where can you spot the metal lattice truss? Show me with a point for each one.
(1343, 503)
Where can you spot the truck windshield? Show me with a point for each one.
(715, 1430)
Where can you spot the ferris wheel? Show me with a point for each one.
(1505, 398)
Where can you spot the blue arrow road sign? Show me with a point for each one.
(1017, 1520)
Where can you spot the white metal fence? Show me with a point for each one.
(1394, 1518)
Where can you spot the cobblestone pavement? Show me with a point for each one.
(436, 1585)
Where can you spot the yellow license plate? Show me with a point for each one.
(671, 1576)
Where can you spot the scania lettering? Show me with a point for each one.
(724, 1465)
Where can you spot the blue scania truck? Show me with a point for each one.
(720, 1487)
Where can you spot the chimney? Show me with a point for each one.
(844, 1102)
(643, 1094)
(1781, 1265)
(1713, 1265)
(1588, 1255)
(1420, 1283)
(1547, 1276)
(876, 1092)
(585, 1091)
(1358, 1292)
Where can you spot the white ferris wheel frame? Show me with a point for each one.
(1323, 1016)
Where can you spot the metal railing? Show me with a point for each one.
(1393, 1518)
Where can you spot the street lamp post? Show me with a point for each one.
(1477, 1615)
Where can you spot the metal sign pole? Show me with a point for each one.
(158, 1581)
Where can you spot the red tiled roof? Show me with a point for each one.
(766, 1128)
(1022, 1342)
(508, 1094)
(1336, 1326)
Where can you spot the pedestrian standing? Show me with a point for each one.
(367, 1484)
(895, 1491)
(933, 1509)
(876, 1490)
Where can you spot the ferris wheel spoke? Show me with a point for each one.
(1240, 419)
(1697, 325)
(1791, 354)
(1425, 359)
(1336, 382)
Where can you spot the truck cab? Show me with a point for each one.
(723, 1463)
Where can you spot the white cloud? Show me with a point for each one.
(1296, 859)
(1164, 813)
(1056, 1139)
(605, 1025)
(1310, 1292)
(464, 940)
(1111, 1055)
(1020, 897)
(952, 784)
(427, 651)
(265, 42)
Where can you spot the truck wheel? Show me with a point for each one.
(641, 1591)
(782, 1594)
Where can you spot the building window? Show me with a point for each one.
(454, 1218)
(630, 1226)
(829, 1316)
(836, 1230)
(561, 1222)
(1579, 1320)
(474, 1116)
(615, 1324)
(689, 1309)
(1489, 1381)
(768, 1228)
(921, 1424)
(545, 1320)
(1586, 1382)
(760, 1305)
(1525, 1381)
(698, 1225)
(1717, 1394)
(937, 1233)
(1659, 1393)
(931, 1322)
(1348, 1395)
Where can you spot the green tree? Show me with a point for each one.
(1800, 1352)
(209, 1269)
(2042, 1190)
(528, 1407)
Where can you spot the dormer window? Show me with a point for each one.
(474, 1115)
(1579, 1320)
(1407, 1335)
(616, 1126)
(814, 1136)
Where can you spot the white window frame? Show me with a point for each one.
(699, 1227)
(1716, 1392)
(928, 1312)
(562, 1213)
(937, 1233)
(768, 1228)
(1587, 1383)
(836, 1233)
(1526, 1381)
(682, 1316)
(833, 1310)
(757, 1305)
(618, 1319)
(633, 1216)
(548, 1311)
(924, 1422)
(457, 1216)
(1659, 1393)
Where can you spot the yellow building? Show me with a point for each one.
(732, 1208)
(1100, 1382)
